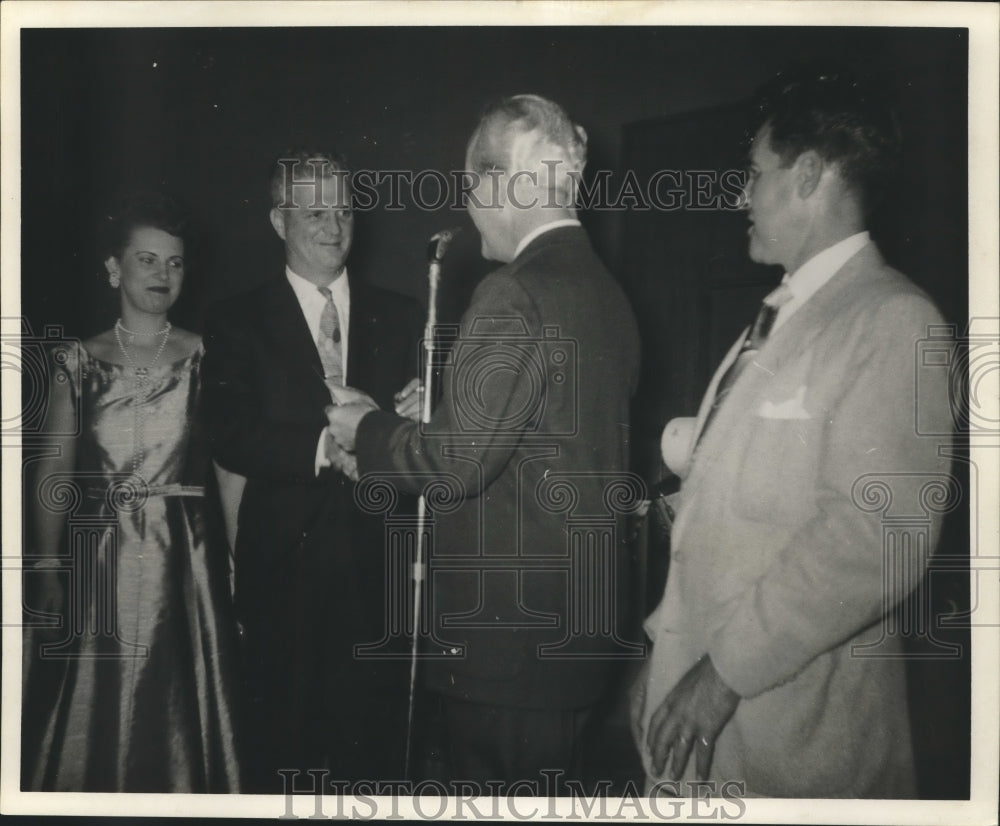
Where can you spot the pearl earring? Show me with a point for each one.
(114, 279)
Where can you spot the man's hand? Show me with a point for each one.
(410, 400)
(691, 716)
(351, 395)
(340, 459)
(344, 420)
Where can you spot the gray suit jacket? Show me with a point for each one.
(781, 547)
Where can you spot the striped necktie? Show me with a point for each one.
(328, 344)
(755, 339)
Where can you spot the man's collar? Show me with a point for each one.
(303, 286)
(531, 236)
(824, 265)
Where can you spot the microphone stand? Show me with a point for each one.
(438, 247)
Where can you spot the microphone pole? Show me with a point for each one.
(435, 253)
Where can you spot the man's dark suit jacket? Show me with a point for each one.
(310, 568)
(532, 431)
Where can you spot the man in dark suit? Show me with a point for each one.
(309, 566)
(531, 438)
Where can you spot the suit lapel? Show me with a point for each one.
(802, 328)
(359, 334)
(713, 385)
(789, 341)
(291, 332)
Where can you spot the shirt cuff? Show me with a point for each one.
(321, 458)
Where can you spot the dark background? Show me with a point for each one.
(203, 112)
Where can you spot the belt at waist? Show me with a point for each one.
(144, 492)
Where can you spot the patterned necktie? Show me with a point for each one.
(328, 344)
(759, 331)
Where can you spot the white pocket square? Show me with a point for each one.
(793, 408)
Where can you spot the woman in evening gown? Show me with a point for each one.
(133, 692)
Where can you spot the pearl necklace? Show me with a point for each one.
(128, 332)
(141, 388)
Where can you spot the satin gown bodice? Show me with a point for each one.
(147, 429)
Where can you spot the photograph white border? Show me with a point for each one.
(983, 22)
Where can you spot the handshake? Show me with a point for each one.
(351, 407)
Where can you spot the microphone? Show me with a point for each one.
(439, 244)
(435, 252)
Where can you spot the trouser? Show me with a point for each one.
(506, 750)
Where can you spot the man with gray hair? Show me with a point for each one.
(531, 433)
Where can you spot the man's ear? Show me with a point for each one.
(278, 222)
(809, 169)
(500, 184)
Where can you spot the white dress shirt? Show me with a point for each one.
(531, 236)
(312, 302)
(803, 284)
(819, 269)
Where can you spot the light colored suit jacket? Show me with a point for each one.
(781, 542)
